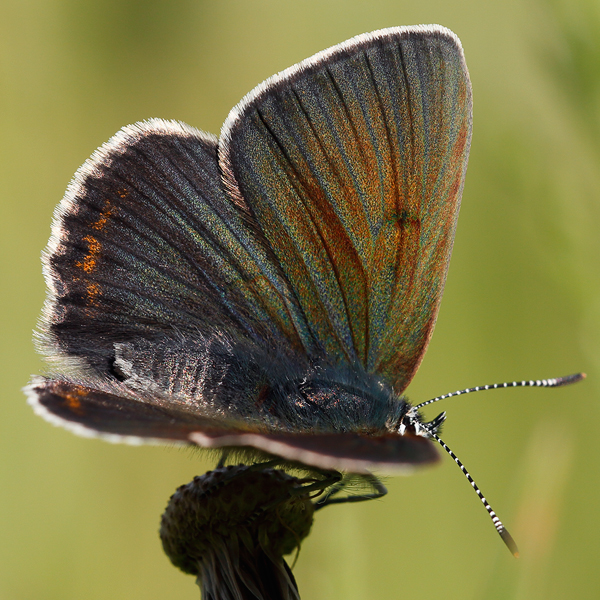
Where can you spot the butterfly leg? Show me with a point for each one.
(379, 490)
(330, 479)
(223, 459)
(226, 453)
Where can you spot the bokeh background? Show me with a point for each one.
(79, 518)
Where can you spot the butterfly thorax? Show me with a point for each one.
(339, 399)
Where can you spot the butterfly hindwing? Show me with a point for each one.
(118, 414)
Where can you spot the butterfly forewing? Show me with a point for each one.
(352, 163)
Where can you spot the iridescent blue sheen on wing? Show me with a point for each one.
(146, 242)
(352, 163)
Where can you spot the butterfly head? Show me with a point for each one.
(412, 423)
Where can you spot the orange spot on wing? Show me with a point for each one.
(90, 260)
(107, 212)
(93, 291)
(73, 400)
(88, 265)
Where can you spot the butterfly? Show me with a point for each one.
(274, 289)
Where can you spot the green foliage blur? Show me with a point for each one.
(79, 518)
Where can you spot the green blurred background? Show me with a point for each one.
(79, 518)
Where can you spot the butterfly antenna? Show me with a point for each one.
(551, 383)
(506, 537)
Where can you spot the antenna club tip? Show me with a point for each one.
(569, 379)
(510, 543)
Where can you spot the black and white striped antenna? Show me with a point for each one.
(556, 382)
(433, 426)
